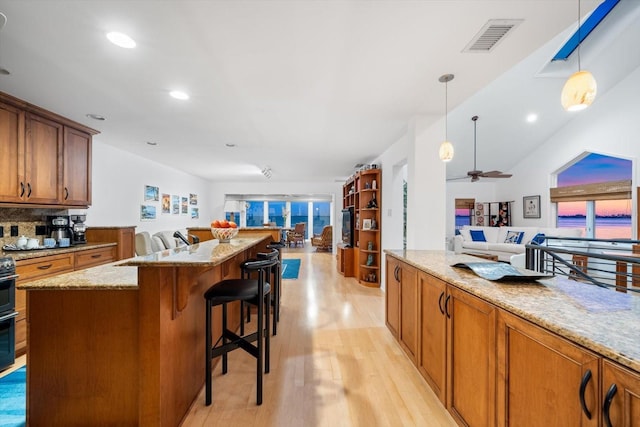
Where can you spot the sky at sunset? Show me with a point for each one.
(595, 168)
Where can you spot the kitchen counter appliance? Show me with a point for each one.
(79, 229)
(58, 227)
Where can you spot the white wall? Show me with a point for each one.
(118, 181)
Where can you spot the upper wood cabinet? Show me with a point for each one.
(45, 158)
(76, 168)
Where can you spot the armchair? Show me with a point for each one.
(324, 240)
(297, 235)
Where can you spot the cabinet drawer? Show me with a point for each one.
(21, 337)
(93, 257)
(38, 268)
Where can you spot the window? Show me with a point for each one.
(595, 194)
(299, 212)
(255, 213)
(277, 213)
(321, 216)
(464, 212)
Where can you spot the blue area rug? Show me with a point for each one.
(13, 398)
(290, 268)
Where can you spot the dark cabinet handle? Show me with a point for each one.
(66, 193)
(583, 386)
(446, 306)
(440, 302)
(607, 404)
(21, 189)
(29, 187)
(395, 273)
(96, 256)
(45, 267)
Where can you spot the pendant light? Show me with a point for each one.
(580, 89)
(446, 148)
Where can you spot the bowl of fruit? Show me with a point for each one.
(224, 230)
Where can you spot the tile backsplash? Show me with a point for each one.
(27, 220)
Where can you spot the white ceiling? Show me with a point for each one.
(309, 88)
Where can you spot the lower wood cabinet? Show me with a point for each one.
(392, 291)
(471, 372)
(93, 257)
(620, 396)
(432, 357)
(544, 380)
(125, 237)
(409, 303)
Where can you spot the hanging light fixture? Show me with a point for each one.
(3, 20)
(580, 89)
(446, 148)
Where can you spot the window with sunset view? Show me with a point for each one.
(600, 214)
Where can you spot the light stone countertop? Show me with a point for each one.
(37, 253)
(599, 319)
(257, 227)
(123, 275)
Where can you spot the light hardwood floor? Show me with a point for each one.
(333, 363)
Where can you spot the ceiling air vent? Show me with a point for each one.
(493, 32)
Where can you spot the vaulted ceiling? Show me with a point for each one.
(309, 88)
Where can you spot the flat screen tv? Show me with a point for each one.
(347, 227)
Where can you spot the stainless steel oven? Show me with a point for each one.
(7, 312)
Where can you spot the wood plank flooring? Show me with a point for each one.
(333, 363)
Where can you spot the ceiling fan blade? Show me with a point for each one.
(458, 178)
(495, 174)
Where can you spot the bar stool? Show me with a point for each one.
(275, 282)
(254, 291)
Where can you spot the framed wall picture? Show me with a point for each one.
(147, 212)
(166, 203)
(366, 224)
(151, 193)
(531, 207)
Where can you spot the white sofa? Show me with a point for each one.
(160, 241)
(497, 242)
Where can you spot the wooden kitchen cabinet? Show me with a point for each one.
(93, 257)
(76, 168)
(409, 303)
(125, 237)
(544, 380)
(432, 361)
(620, 396)
(471, 360)
(392, 293)
(11, 149)
(42, 177)
(45, 158)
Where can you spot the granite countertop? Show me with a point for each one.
(599, 319)
(239, 228)
(37, 253)
(206, 254)
(123, 275)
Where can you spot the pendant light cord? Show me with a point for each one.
(446, 110)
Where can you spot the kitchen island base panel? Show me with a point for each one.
(123, 357)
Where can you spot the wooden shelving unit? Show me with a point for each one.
(362, 193)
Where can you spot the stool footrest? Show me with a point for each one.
(236, 341)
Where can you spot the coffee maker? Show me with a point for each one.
(58, 227)
(79, 228)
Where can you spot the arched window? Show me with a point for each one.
(594, 193)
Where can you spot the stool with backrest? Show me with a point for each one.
(254, 291)
(275, 281)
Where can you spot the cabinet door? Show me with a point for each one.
(43, 160)
(77, 168)
(11, 153)
(621, 396)
(544, 380)
(392, 294)
(408, 333)
(471, 359)
(433, 332)
(127, 244)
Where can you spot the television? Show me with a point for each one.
(347, 227)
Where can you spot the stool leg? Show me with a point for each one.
(241, 318)
(224, 337)
(260, 347)
(208, 353)
(267, 340)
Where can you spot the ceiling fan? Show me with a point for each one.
(476, 174)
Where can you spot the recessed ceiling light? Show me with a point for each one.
(96, 116)
(121, 39)
(532, 118)
(177, 94)
(152, 143)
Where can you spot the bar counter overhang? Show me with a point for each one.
(123, 344)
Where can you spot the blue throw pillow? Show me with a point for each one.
(514, 237)
(477, 235)
(538, 239)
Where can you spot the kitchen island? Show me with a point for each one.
(553, 352)
(204, 233)
(123, 343)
